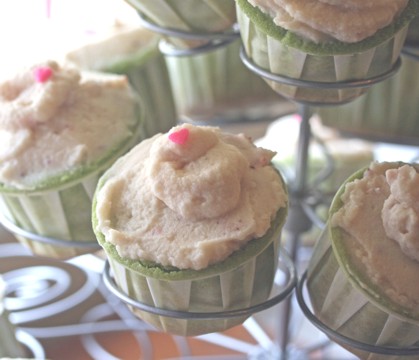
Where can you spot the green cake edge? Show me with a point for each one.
(138, 58)
(267, 25)
(65, 178)
(357, 278)
(150, 269)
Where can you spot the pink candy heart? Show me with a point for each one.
(42, 74)
(179, 137)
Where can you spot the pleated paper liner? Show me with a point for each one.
(273, 49)
(244, 279)
(349, 317)
(189, 322)
(61, 211)
(187, 23)
(344, 301)
(145, 68)
(388, 112)
(211, 84)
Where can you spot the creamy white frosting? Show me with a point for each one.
(189, 204)
(325, 20)
(380, 215)
(401, 209)
(64, 121)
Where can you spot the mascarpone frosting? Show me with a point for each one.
(189, 198)
(54, 119)
(380, 216)
(326, 20)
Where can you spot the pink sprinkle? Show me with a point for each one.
(42, 74)
(297, 117)
(179, 137)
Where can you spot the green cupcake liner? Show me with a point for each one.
(243, 280)
(152, 83)
(389, 111)
(62, 214)
(61, 211)
(190, 16)
(343, 307)
(214, 85)
(281, 53)
(347, 304)
(145, 69)
(9, 346)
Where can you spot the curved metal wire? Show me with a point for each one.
(333, 334)
(317, 84)
(15, 229)
(232, 33)
(284, 293)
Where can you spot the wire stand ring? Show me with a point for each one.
(274, 300)
(333, 334)
(316, 84)
(15, 229)
(232, 33)
(168, 50)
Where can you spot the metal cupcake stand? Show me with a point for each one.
(301, 218)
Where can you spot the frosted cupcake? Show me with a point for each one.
(388, 112)
(187, 17)
(60, 129)
(362, 274)
(191, 221)
(323, 41)
(214, 85)
(9, 346)
(133, 51)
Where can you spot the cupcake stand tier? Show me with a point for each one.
(301, 218)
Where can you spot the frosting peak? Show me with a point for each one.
(200, 178)
(400, 212)
(36, 95)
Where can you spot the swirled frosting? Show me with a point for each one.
(401, 209)
(325, 20)
(53, 119)
(189, 198)
(380, 213)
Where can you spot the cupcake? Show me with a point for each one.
(388, 112)
(132, 51)
(214, 86)
(189, 23)
(412, 37)
(361, 278)
(323, 42)
(60, 129)
(191, 221)
(9, 346)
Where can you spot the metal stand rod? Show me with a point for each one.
(298, 222)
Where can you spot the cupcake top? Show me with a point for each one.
(189, 198)
(326, 20)
(380, 216)
(55, 119)
(121, 45)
